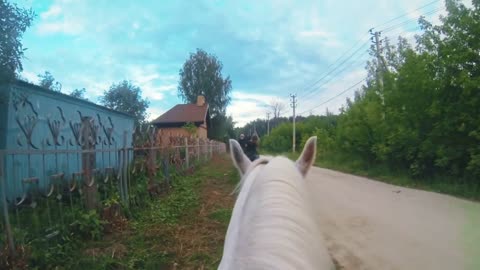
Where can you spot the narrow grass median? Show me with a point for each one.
(444, 185)
(184, 230)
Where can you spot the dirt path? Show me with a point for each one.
(373, 225)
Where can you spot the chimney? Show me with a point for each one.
(200, 101)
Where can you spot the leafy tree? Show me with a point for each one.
(260, 125)
(126, 97)
(48, 81)
(14, 21)
(280, 138)
(221, 127)
(79, 93)
(202, 75)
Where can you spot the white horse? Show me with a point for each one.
(272, 224)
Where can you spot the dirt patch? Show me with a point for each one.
(116, 221)
(195, 241)
(18, 262)
(115, 251)
(199, 241)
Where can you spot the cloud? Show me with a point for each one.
(30, 76)
(154, 112)
(246, 107)
(269, 48)
(243, 112)
(65, 27)
(58, 20)
(53, 11)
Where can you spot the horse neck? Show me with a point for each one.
(271, 222)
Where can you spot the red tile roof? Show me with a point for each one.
(183, 113)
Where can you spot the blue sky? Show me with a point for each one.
(269, 48)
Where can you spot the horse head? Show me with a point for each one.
(273, 224)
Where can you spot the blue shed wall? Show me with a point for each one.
(4, 97)
(30, 110)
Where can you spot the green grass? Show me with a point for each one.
(222, 215)
(445, 185)
(185, 227)
(439, 184)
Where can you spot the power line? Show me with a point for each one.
(310, 88)
(313, 87)
(431, 12)
(334, 97)
(343, 62)
(334, 62)
(320, 87)
(407, 13)
(346, 67)
(388, 28)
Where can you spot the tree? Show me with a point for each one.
(202, 75)
(48, 81)
(277, 108)
(14, 21)
(126, 97)
(220, 127)
(79, 93)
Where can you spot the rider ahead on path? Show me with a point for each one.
(243, 142)
(251, 148)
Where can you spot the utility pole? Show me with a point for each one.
(294, 105)
(376, 40)
(381, 65)
(268, 123)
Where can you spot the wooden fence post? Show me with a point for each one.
(187, 161)
(8, 228)
(198, 149)
(205, 150)
(125, 166)
(211, 149)
(88, 162)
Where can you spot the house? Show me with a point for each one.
(172, 123)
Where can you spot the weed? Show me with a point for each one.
(221, 215)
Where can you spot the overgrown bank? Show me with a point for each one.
(184, 229)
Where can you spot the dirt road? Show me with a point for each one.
(373, 225)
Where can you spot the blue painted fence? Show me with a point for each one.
(36, 120)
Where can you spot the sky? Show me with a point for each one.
(270, 48)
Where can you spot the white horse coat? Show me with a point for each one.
(272, 224)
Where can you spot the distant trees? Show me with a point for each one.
(79, 93)
(14, 21)
(126, 97)
(425, 120)
(48, 81)
(277, 108)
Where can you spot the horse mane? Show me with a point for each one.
(262, 160)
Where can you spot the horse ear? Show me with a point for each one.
(239, 159)
(307, 158)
